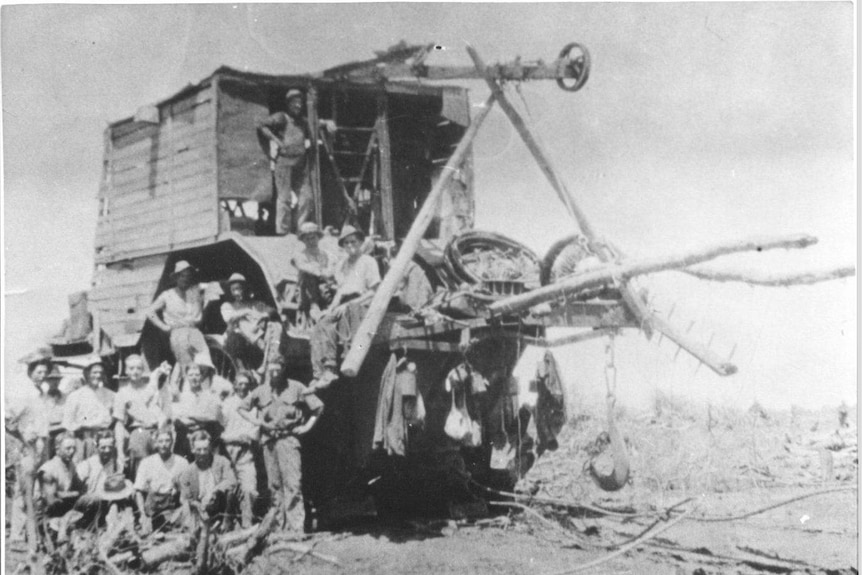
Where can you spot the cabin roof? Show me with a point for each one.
(294, 80)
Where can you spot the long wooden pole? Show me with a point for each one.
(365, 334)
(599, 277)
(635, 304)
(605, 274)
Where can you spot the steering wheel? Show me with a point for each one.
(577, 66)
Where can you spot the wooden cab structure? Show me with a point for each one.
(189, 178)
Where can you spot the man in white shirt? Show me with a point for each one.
(24, 420)
(88, 410)
(137, 411)
(156, 483)
(357, 276)
(241, 437)
(181, 309)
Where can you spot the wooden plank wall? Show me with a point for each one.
(243, 169)
(122, 291)
(159, 186)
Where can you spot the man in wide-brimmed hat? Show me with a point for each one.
(357, 276)
(24, 419)
(316, 281)
(246, 322)
(181, 308)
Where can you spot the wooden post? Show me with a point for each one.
(633, 301)
(365, 334)
(387, 197)
(313, 163)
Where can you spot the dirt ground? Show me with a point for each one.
(734, 473)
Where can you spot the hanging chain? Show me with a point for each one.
(610, 369)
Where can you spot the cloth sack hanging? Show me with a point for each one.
(502, 454)
(458, 425)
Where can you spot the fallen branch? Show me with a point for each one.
(773, 506)
(622, 272)
(645, 536)
(561, 502)
(528, 510)
(772, 280)
(304, 550)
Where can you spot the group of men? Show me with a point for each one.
(176, 446)
(170, 456)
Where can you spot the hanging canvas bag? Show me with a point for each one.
(502, 454)
(458, 424)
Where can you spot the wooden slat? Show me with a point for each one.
(176, 224)
(199, 135)
(168, 209)
(124, 255)
(424, 345)
(175, 166)
(132, 289)
(163, 236)
(179, 186)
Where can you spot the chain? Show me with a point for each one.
(610, 369)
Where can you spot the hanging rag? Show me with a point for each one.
(550, 405)
(390, 428)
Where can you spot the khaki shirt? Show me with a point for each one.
(286, 408)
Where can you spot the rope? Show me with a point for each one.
(707, 519)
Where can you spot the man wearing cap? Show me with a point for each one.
(88, 410)
(138, 413)
(315, 272)
(182, 309)
(26, 421)
(357, 276)
(289, 132)
(246, 324)
(287, 411)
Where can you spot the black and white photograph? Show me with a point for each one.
(412, 287)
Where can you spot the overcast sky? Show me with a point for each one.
(700, 122)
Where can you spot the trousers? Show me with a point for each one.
(242, 459)
(283, 461)
(292, 179)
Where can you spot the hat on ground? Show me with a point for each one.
(293, 94)
(348, 231)
(309, 229)
(116, 487)
(236, 278)
(182, 266)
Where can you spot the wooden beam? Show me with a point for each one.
(609, 273)
(314, 164)
(365, 334)
(772, 280)
(387, 198)
(632, 299)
